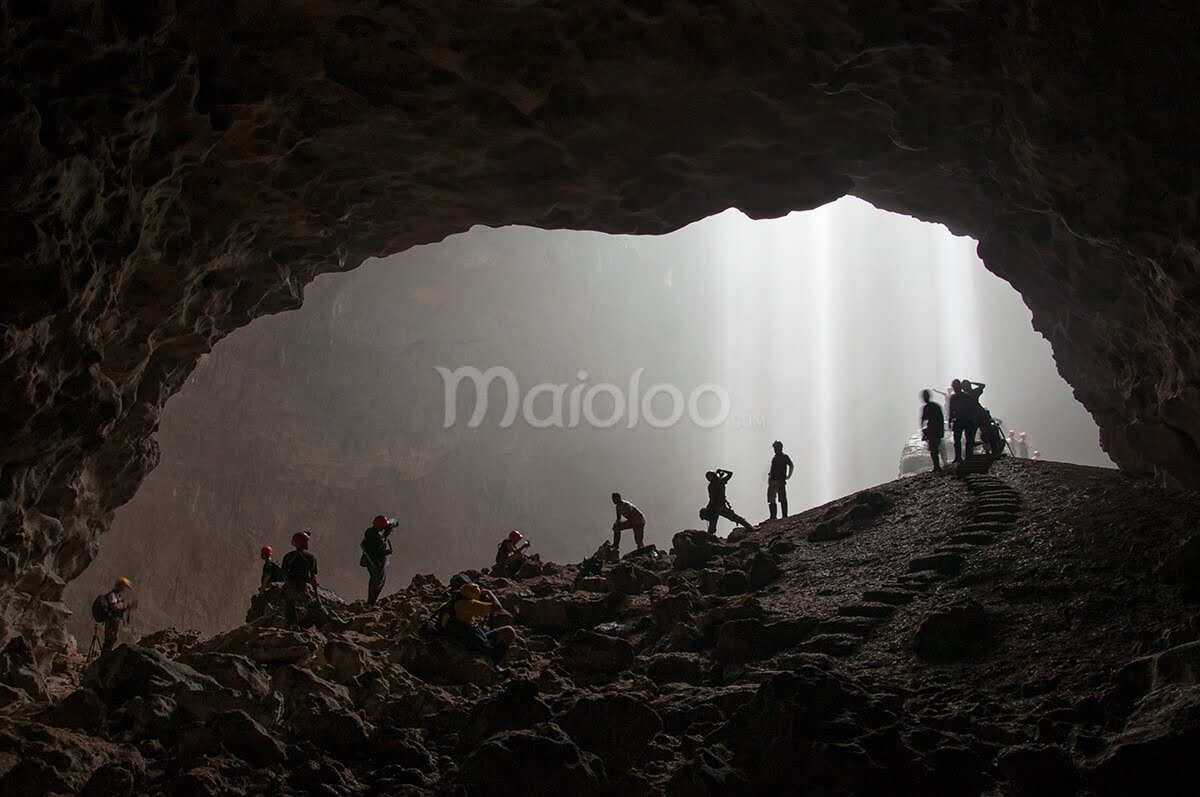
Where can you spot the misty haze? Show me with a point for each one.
(821, 328)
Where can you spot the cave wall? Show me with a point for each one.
(172, 170)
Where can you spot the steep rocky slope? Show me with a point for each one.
(1027, 630)
(173, 170)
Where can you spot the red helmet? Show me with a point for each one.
(300, 539)
(266, 551)
(710, 475)
(515, 536)
(380, 522)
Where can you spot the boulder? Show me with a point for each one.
(1155, 753)
(803, 734)
(537, 762)
(670, 608)
(588, 652)
(444, 661)
(829, 531)
(248, 740)
(695, 549)
(707, 773)
(231, 671)
(668, 668)
(38, 759)
(562, 611)
(630, 578)
(82, 710)
(517, 706)
(957, 633)
(741, 641)
(270, 646)
(129, 671)
(762, 570)
(615, 727)
(18, 669)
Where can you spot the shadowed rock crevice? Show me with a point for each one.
(174, 171)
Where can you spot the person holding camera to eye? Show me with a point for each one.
(376, 548)
(510, 554)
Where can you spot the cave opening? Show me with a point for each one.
(819, 327)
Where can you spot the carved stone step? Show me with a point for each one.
(878, 610)
(945, 563)
(894, 597)
(973, 538)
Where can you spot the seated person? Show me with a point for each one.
(461, 619)
(510, 554)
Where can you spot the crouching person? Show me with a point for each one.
(463, 619)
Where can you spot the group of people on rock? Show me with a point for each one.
(968, 418)
(469, 604)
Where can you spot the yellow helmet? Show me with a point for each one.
(470, 590)
(123, 582)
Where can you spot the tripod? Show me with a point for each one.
(95, 644)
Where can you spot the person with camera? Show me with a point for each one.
(376, 548)
(510, 553)
(718, 505)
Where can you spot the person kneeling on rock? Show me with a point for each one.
(300, 586)
(461, 619)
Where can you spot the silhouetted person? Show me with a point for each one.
(510, 553)
(781, 471)
(933, 428)
(628, 517)
(110, 609)
(964, 416)
(718, 505)
(376, 548)
(300, 586)
(272, 573)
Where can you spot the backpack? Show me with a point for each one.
(456, 583)
(101, 611)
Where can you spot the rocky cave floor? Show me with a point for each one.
(1028, 628)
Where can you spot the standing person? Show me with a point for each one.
(272, 573)
(1012, 443)
(1022, 446)
(718, 505)
(781, 471)
(510, 553)
(110, 608)
(376, 548)
(300, 583)
(933, 428)
(956, 409)
(971, 411)
(628, 517)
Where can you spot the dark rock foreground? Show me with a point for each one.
(1055, 653)
(173, 170)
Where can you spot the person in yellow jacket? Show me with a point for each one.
(464, 619)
